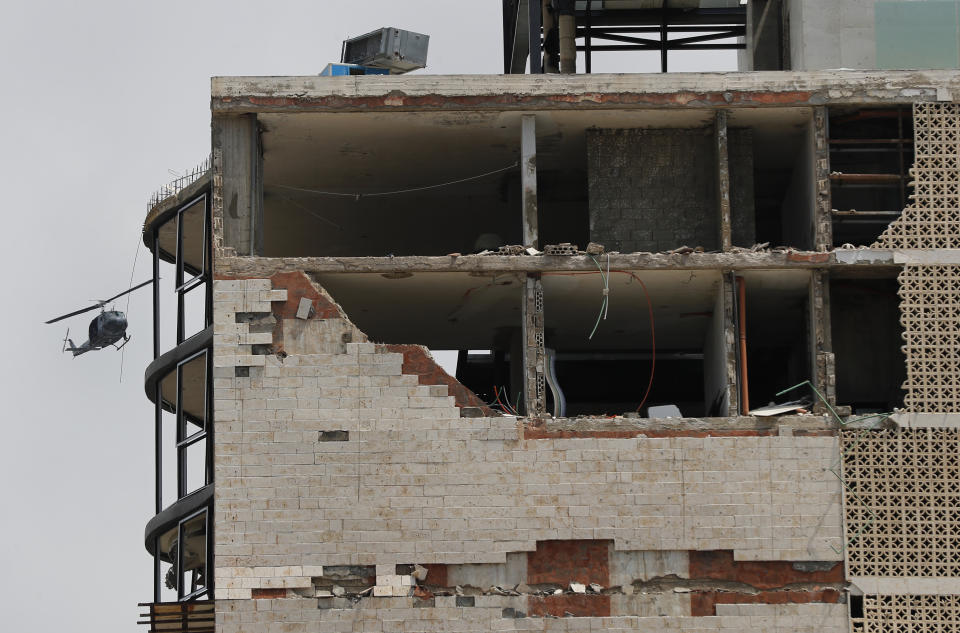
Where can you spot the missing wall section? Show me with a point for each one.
(475, 316)
(606, 353)
(871, 154)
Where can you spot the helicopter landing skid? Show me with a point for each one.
(126, 339)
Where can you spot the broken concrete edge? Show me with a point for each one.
(926, 420)
(575, 599)
(904, 585)
(630, 427)
(304, 296)
(595, 91)
(249, 267)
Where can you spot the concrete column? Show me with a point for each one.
(568, 44)
(823, 216)
(238, 140)
(528, 179)
(534, 377)
(823, 364)
(731, 342)
(724, 238)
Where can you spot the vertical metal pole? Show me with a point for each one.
(156, 293)
(663, 36)
(535, 23)
(528, 179)
(587, 39)
(181, 434)
(156, 572)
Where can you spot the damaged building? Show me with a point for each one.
(706, 333)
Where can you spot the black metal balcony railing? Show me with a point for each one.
(179, 617)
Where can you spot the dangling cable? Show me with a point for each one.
(604, 305)
(136, 255)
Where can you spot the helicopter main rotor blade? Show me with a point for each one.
(99, 304)
(138, 286)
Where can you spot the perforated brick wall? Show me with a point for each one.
(930, 316)
(933, 219)
(909, 614)
(902, 516)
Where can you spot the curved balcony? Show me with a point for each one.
(177, 230)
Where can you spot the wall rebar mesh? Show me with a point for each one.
(908, 614)
(902, 506)
(174, 187)
(932, 220)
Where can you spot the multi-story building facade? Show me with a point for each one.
(705, 326)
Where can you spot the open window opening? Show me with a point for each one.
(472, 320)
(867, 340)
(183, 557)
(182, 264)
(776, 328)
(390, 184)
(609, 373)
(782, 172)
(871, 153)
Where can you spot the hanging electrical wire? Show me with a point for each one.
(646, 294)
(357, 196)
(605, 303)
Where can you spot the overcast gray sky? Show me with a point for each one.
(101, 99)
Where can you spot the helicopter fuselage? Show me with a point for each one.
(105, 329)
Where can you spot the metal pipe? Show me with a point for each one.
(742, 318)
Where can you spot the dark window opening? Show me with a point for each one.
(184, 558)
(871, 153)
(779, 353)
(867, 339)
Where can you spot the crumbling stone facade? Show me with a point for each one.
(358, 486)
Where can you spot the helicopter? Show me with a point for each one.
(105, 329)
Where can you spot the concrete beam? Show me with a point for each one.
(528, 180)
(244, 266)
(823, 362)
(578, 92)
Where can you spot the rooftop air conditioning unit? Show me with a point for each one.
(397, 50)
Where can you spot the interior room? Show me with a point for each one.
(779, 351)
(397, 184)
(604, 353)
(783, 177)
